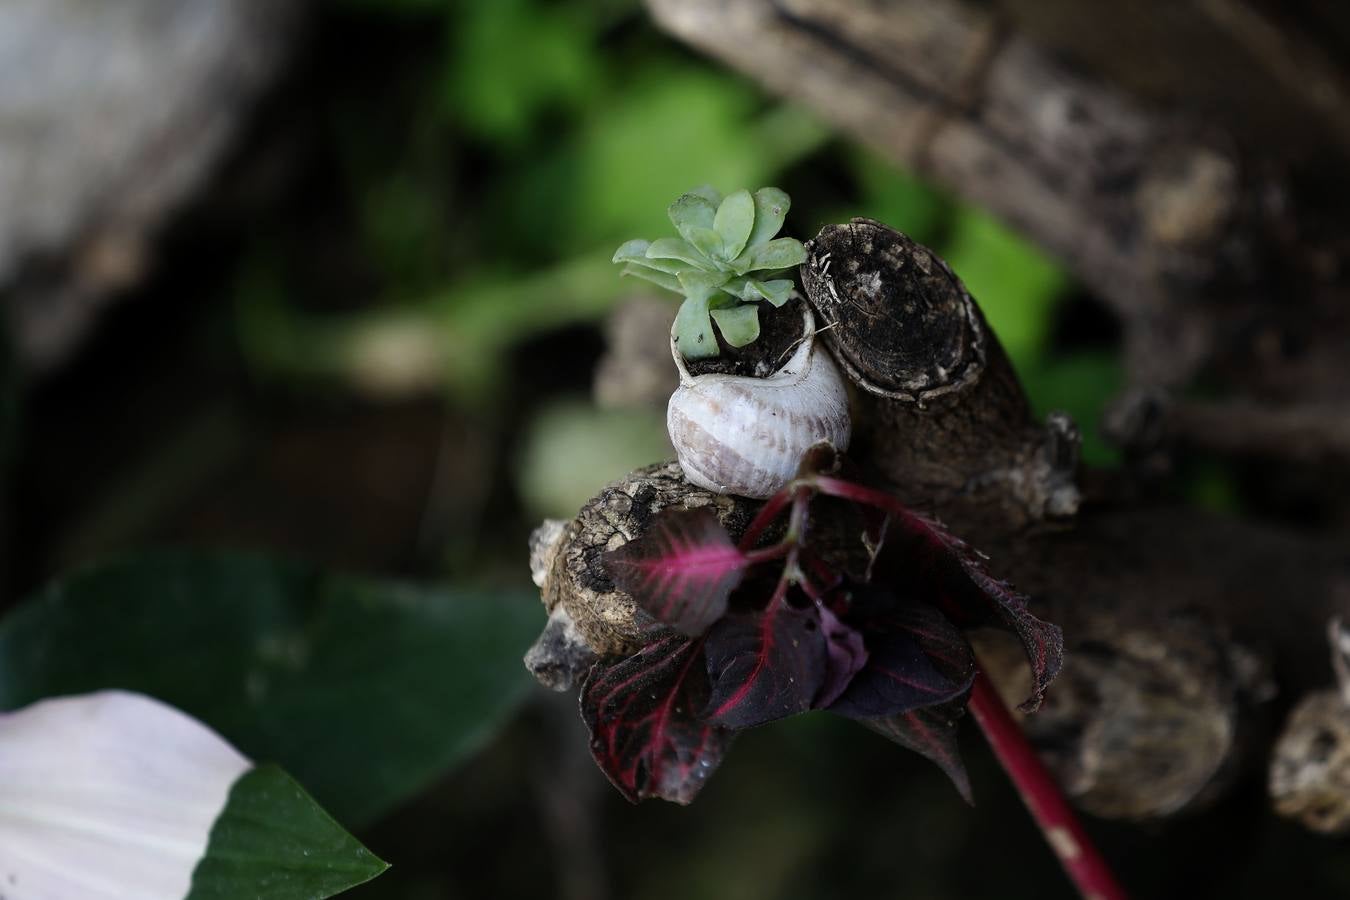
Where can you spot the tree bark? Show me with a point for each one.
(1189, 233)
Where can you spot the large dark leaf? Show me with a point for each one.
(941, 641)
(272, 842)
(644, 716)
(916, 658)
(364, 690)
(931, 732)
(765, 665)
(898, 677)
(922, 560)
(681, 569)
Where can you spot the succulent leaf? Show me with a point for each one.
(630, 251)
(676, 248)
(700, 284)
(721, 241)
(752, 290)
(635, 253)
(709, 243)
(655, 276)
(780, 253)
(771, 206)
(734, 220)
(739, 324)
(690, 213)
(709, 193)
(693, 330)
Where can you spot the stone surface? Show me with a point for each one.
(111, 115)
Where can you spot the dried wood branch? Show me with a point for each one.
(1194, 244)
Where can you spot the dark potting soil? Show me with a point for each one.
(779, 330)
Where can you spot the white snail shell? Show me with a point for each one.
(739, 435)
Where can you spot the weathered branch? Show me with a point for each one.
(1142, 210)
(1310, 770)
(1167, 612)
(1199, 250)
(942, 416)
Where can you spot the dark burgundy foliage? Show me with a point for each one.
(922, 559)
(681, 571)
(930, 732)
(916, 658)
(847, 655)
(643, 713)
(863, 619)
(765, 666)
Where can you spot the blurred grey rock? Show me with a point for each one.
(111, 115)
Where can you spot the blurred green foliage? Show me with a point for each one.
(364, 690)
(571, 448)
(530, 140)
(487, 181)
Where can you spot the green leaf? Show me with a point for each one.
(570, 446)
(701, 285)
(635, 253)
(782, 253)
(1018, 287)
(771, 207)
(694, 336)
(655, 276)
(509, 64)
(273, 842)
(364, 690)
(896, 197)
(674, 248)
(734, 221)
(709, 193)
(690, 213)
(752, 290)
(632, 251)
(739, 325)
(709, 243)
(1080, 384)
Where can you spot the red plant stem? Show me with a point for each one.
(767, 513)
(765, 554)
(1063, 832)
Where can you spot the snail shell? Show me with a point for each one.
(739, 435)
(898, 320)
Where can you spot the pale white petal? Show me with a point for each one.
(108, 795)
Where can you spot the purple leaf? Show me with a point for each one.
(921, 559)
(643, 714)
(845, 657)
(681, 569)
(764, 666)
(930, 732)
(1043, 642)
(916, 658)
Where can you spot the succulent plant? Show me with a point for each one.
(726, 246)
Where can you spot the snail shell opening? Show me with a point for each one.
(739, 435)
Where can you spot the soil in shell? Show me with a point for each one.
(780, 329)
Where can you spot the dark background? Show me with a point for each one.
(368, 341)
